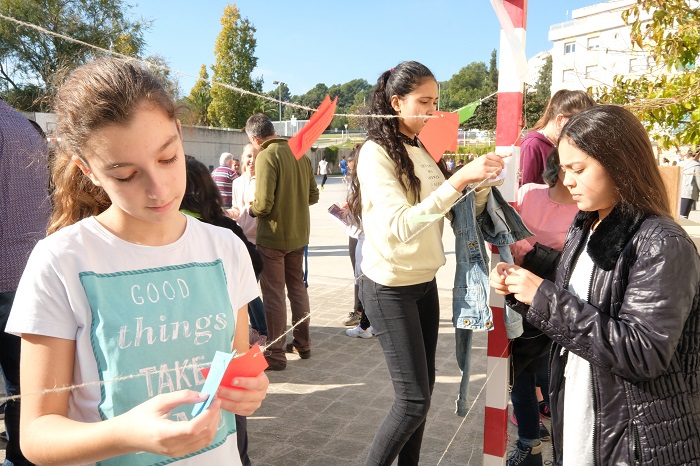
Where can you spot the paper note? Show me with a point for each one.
(250, 364)
(440, 134)
(467, 111)
(319, 121)
(211, 385)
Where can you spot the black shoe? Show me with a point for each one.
(302, 354)
(274, 365)
(525, 456)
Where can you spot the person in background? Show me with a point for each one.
(690, 184)
(284, 189)
(242, 196)
(624, 309)
(539, 142)
(223, 176)
(111, 290)
(24, 214)
(323, 169)
(357, 319)
(397, 181)
(236, 166)
(344, 169)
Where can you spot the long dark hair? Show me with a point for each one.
(202, 196)
(399, 81)
(618, 141)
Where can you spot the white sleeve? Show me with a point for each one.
(42, 305)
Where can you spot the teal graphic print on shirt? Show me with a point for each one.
(163, 324)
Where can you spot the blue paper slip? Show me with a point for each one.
(211, 385)
(426, 218)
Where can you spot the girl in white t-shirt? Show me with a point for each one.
(127, 298)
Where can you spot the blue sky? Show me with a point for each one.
(306, 42)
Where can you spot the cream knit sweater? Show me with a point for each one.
(402, 246)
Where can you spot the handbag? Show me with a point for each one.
(542, 261)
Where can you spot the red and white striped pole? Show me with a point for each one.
(508, 126)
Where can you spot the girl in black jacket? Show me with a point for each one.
(624, 310)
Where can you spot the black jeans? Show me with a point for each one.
(406, 321)
(9, 360)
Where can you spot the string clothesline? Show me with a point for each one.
(212, 81)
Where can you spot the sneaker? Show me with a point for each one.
(544, 433)
(544, 410)
(353, 319)
(359, 332)
(290, 348)
(371, 329)
(525, 456)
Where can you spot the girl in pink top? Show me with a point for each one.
(546, 209)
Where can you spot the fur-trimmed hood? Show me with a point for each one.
(611, 236)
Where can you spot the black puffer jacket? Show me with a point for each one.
(640, 331)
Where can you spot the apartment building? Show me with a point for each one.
(593, 47)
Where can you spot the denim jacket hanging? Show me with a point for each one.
(500, 225)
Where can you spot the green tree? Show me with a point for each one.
(199, 100)
(666, 100)
(535, 98)
(161, 69)
(235, 62)
(36, 62)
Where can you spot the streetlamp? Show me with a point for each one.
(279, 88)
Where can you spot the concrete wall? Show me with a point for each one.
(207, 144)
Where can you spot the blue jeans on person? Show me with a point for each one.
(406, 321)
(525, 405)
(256, 313)
(9, 361)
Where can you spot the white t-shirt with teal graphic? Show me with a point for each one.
(159, 313)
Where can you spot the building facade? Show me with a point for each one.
(594, 46)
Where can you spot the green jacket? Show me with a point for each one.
(284, 189)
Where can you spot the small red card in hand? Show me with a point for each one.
(250, 364)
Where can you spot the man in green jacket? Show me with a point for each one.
(285, 188)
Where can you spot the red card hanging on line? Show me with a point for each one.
(440, 134)
(319, 121)
(250, 364)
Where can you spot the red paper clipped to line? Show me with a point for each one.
(319, 121)
(440, 134)
(250, 364)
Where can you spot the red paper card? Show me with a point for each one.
(319, 121)
(440, 134)
(250, 364)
